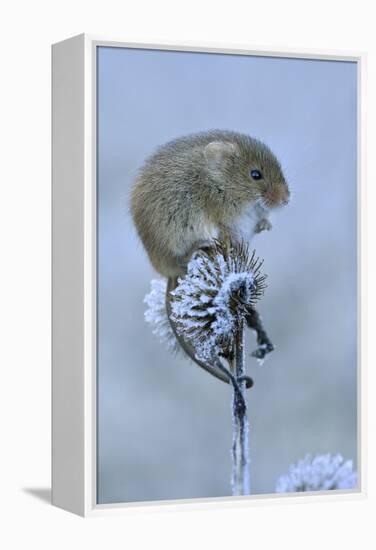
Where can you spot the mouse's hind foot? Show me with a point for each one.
(264, 345)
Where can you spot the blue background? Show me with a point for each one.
(164, 426)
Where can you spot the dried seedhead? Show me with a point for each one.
(221, 286)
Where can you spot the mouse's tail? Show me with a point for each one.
(215, 367)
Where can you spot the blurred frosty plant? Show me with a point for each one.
(156, 314)
(318, 473)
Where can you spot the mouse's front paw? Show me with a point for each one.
(263, 225)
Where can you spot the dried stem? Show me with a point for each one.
(240, 443)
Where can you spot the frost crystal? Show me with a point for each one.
(320, 473)
(218, 288)
(156, 314)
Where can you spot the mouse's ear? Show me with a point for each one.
(218, 152)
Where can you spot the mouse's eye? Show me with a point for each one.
(256, 175)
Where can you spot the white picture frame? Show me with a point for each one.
(74, 275)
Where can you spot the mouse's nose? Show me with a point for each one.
(277, 195)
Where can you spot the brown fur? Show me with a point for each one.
(195, 188)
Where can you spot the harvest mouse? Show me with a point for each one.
(209, 185)
(200, 187)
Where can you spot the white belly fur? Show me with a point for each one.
(244, 227)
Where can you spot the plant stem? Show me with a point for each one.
(240, 456)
